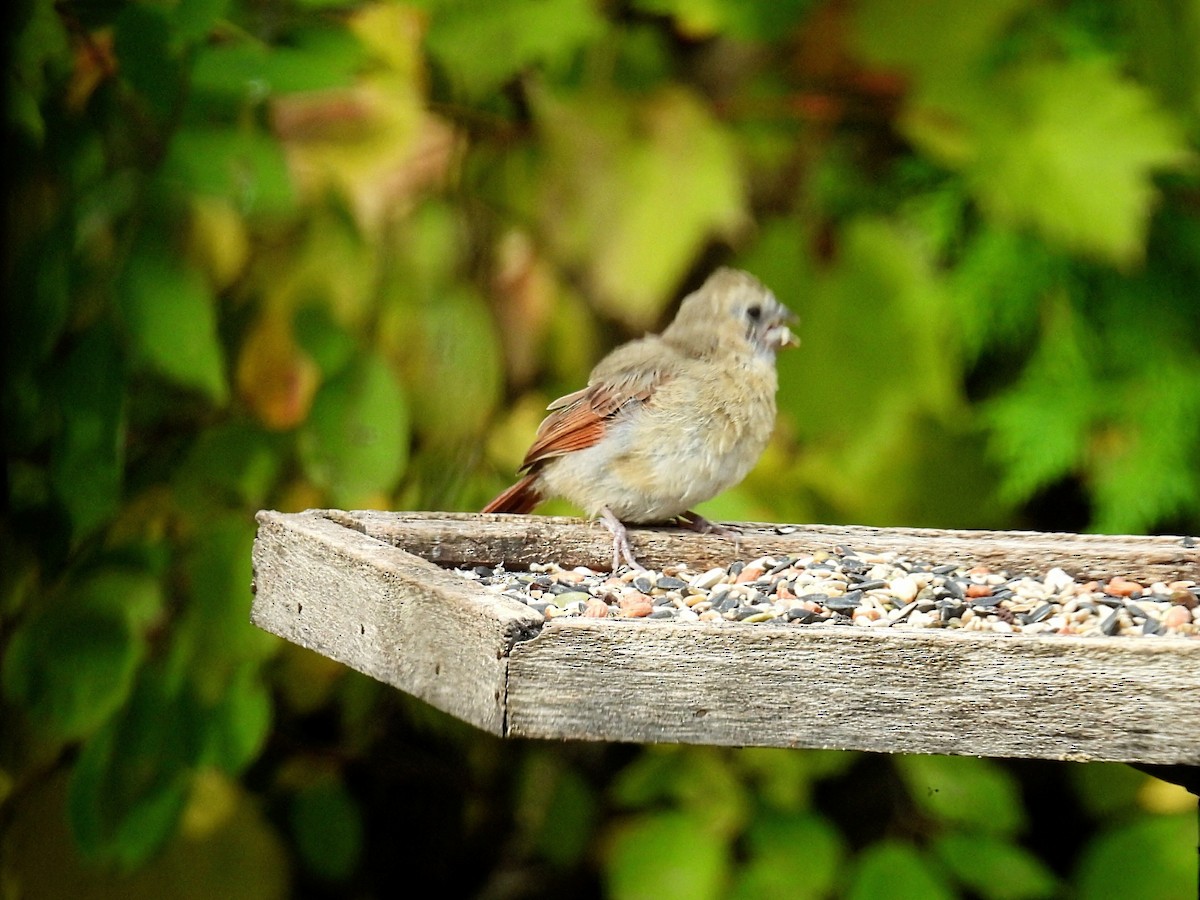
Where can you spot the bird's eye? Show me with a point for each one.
(754, 312)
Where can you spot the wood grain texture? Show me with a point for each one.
(854, 688)
(453, 539)
(340, 583)
(388, 614)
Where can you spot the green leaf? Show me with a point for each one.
(794, 856)
(963, 791)
(705, 18)
(42, 277)
(241, 164)
(193, 19)
(1065, 147)
(464, 37)
(1091, 402)
(994, 868)
(170, 313)
(452, 341)
(131, 592)
(237, 727)
(880, 319)
(1070, 149)
(666, 856)
(611, 198)
(651, 776)
(898, 872)
(40, 40)
(130, 783)
(1148, 471)
(72, 666)
(783, 778)
(87, 457)
(556, 808)
(944, 44)
(328, 343)
(355, 442)
(695, 18)
(644, 58)
(1106, 790)
(146, 58)
(998, 287)
(313, 60)
(1146, 859)
(1039, 427)
(1163, 38)
(215, 638)
(698, 779)
(435, 239)
(231, 465)
(226, 849)
(773, 259)
(328, 828)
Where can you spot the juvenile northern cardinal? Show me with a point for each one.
(666, 421)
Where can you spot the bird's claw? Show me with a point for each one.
(697, 522)
(622, 549)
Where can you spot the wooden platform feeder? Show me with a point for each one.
(371, 590)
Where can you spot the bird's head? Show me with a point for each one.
(733, 312)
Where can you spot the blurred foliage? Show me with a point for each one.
(317, 252)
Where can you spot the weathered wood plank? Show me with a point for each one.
(340, 583)
(1119, 699)
(452, 539)
(387, 613)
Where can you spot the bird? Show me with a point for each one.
(667, 420)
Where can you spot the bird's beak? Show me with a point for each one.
(781, 336)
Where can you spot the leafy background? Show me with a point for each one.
(297, 253)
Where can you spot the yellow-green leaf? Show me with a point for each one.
(482, 45)
(355, 443)
(1070, 149)
(448, 345)
(1163, 868)
(686, 863)
(633, 190)
(791, 857)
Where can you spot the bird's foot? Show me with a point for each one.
(622, 550)
(697, 522)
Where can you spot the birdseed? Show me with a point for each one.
(885, 590)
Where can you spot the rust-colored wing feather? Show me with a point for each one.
(626, 378)
(522, 497)
(579, 419)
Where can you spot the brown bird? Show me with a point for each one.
(666, 421)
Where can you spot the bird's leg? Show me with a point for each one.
(697, 522)
(621, 547)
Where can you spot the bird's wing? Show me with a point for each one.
(579, 419)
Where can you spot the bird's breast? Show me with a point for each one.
(699, 434)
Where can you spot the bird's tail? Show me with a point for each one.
(522, 497)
